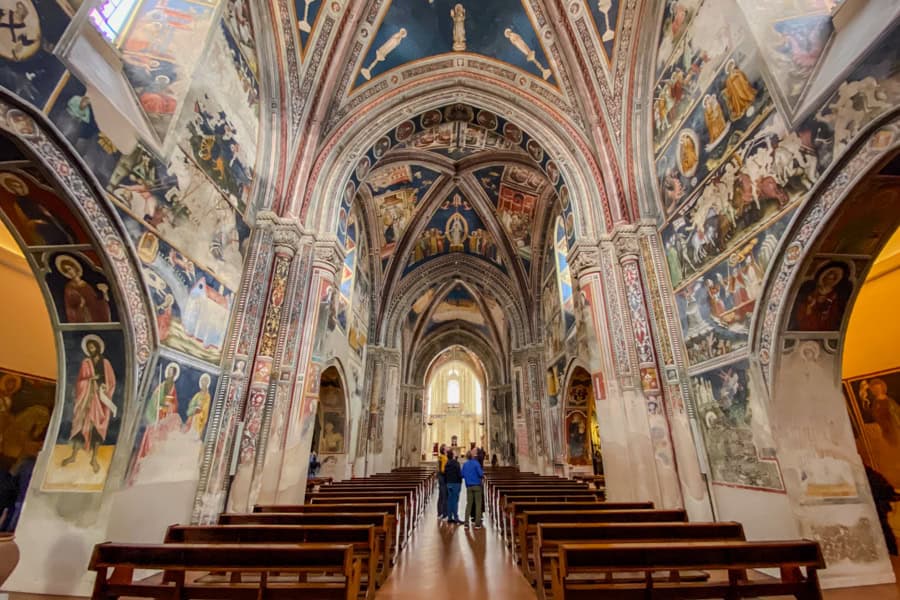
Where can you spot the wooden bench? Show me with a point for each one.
(260, 560)
(515, 509)
(547, 497)
(551, 535)
(734, 557)
(401, 508)
(366, 543)
(384, 523)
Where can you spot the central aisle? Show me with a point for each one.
(451, 562)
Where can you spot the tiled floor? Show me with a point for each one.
(451, 562)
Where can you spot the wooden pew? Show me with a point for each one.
(734, 557)
(562, 496)
(366, 543)
(177, 560)
(384, 523)
(551, 535)
(515, 509)
(498, 492)
(401, 510)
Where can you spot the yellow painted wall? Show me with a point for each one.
(873, 335)
(26, 335)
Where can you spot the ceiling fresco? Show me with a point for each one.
(455, 226)
(397, 184)
(307, 12)
(413, 30)
(458, 305)
(605, 14)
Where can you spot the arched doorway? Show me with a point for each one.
(330, 430)
(454, 403)
(830, 247)
(582, 432)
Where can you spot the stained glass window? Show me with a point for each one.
(111, 17)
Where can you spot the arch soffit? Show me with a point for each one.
(872, 147)
(317, 204)
(421, 362)
(338, 366)
(477, 273)
(571, 367)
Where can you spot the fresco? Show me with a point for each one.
(515, 192)
(458, 305)
(331, 415)
(459, 139)
(192, 307)
(677, 16)
(606, 17)
(26, 403)
(28, 67)
(724, 401)
(715, 310)
(731, 107)
(79, 287)
(823, 297)
(39, 216)
(172, 425)
(397, 190)
(348, 272)
(579, 407)
(691, 69)
(239, 21)
(873, 406)
(160, 47)
(217, 132)
(176, 202)
(413, 30)
(792, 38)
(763, 178)
(454, 227)
(307, 12)
(551, 310)
(91, 419)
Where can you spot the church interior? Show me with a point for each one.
(265, 260)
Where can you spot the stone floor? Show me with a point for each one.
(446, 562)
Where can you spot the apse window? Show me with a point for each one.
(453, 391)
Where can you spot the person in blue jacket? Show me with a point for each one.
(473, 474)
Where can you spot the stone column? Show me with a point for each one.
(261, 392)
(690, 451)
(628, 252)
(497, 416)
(326, 258)
(240, 348)
(412, 418)
(535, 414)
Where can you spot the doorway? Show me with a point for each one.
(454, 392)
(329, 434)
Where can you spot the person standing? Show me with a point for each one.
(442, 483)
(453, 474)
(473, 474)
(494, 461)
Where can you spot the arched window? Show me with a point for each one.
(111, 16)
(453, 391)
(478, 407)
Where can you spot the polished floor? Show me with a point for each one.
(446, 562)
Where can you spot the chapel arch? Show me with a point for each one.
(799, 339)
(330, 434)
(101, 324)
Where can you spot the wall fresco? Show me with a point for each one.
(172, 425)
(725, 405)
(94, 396)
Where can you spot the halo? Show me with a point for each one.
(6, 178)
(11, 377)
(91, 337)
(205, 377)
(177, 370)
(68, 259)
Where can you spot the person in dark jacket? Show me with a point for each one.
(453, 475)
(494, 460)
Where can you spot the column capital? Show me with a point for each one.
(328, 255)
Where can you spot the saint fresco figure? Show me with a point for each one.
(34, 222)
(821, 302)
(331, 441)
(83, 303)
(198, 409)
(94, 408)
(884, 433)
(160, 413)
(739, 93)
(716, 125)
(687, 154)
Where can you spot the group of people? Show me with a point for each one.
(451, 475)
